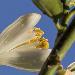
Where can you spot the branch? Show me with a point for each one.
(64, 23)
(59, 51)
(65, 38)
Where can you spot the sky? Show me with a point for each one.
(10, 10)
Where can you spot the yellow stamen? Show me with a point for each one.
(38, 32)
(43, 43)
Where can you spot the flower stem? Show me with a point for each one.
(59, 51)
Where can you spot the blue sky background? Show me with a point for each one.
(10, 10)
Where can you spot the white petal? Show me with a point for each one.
(16, 33)
(73, 73)
(71, 66)
(26, 58)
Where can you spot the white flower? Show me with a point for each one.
(22, 45)
(71, 67)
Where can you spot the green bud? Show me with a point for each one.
(50, 7)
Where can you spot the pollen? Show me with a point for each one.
(43, 43)
(38, 32)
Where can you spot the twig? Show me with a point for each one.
(59, 51)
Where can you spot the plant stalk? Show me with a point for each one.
(59, 51)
